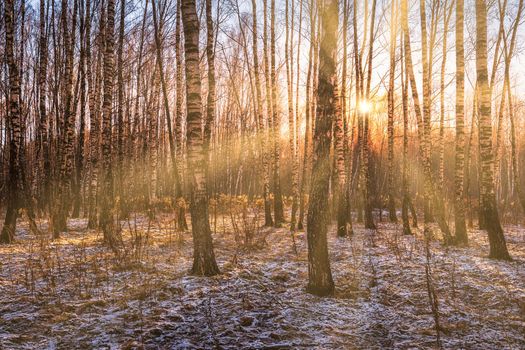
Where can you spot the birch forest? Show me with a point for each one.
(262, 174)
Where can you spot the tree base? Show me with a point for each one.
(6, 237)
(393, 218)
(206, 269)
(320, 290)
(500, 256)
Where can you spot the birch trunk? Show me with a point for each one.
(203, 256)
(319, 273)
(459, 201)
(498, 245)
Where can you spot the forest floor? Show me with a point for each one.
(74, 293)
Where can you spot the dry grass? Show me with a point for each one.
(75, 293)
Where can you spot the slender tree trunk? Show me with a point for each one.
(210, 55)
(358, 97)
(369, 220)
(262, 130)
(152, 145)
(447, 14)
(13, 127)
(338, 169)
(391, 107)
(165, 100)
(509, 52)
(121, 189)
(426, 117)
(291, 117)
(94, 125)
(348, 144)
(340, 165)
(308, 109)
(459, 200)
(406, 196)
(498, 245)
(277, 195)
(268, 220)
(203, 255)
(514, 151)
(297, 114)
(468, 160)
(79, 157)
(43, 128)
(319, 272)
(181, 205)
(497, 150)
(63, 198)
(106, 201)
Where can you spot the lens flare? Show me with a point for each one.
(365, 106)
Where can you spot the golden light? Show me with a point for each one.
(283, 130)
(365, 106)
(302, 128)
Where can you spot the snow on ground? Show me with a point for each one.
(73, 293)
